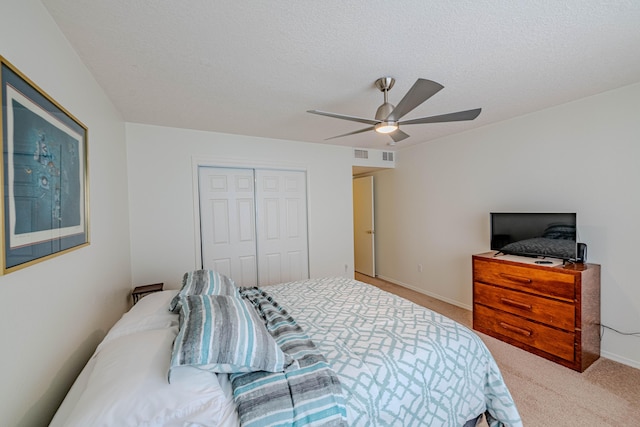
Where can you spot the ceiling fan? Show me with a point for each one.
(387, 119)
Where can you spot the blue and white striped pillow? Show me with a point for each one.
(203, 282)
(221, 334)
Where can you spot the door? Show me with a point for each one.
(281, 206)
(227, 223)
(363, 226)
(253, 224)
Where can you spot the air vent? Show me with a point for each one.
(361, 154)
(387, 156)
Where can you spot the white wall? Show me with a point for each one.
(161, 190)
(584, 156)
(54, 313)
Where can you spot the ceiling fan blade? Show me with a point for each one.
(351, 133)
(398, 135)
(451, 117)
(421, 90)
(343, 117)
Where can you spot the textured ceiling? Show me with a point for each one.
(255, 67)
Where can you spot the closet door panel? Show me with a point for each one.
(294, 211)
(271, 222)
(248, 271)
(222, 265)
(271, 269)
(219, 222)
(282, 226)
(227, 223)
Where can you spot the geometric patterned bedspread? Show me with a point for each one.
(399, 364)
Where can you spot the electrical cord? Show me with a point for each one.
(603, 327)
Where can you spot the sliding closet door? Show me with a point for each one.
(256, 236)
(227, 223)
(281, 206)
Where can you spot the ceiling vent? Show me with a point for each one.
(361, 154)
(387, 156)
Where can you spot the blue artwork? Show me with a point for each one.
(46, 181)
(44, 176)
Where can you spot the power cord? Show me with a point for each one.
(603, 327)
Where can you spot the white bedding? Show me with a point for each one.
(398, 363)
(125, 382)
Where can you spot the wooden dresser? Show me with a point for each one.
(553, 312)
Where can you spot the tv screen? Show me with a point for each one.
(534, 234)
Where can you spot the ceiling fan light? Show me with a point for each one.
(386, 127)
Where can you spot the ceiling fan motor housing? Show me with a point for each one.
(384, 110)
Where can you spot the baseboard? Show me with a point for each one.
(620, 359)
(422, 291)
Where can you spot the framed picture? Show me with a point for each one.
(44, 175)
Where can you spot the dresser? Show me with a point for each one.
(551, 311)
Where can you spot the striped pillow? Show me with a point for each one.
(221, 334)
(203, 282)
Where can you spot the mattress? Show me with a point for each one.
(398, 364)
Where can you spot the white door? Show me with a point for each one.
(227, 223)
(253, 224)
(281, 206)
(363, 226)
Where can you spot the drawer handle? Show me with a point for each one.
(516, 304)
(515, 329)
(516, 278)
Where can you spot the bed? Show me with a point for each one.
(390, 363)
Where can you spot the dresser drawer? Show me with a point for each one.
(543, 280)
(553, 341)
(551, 312)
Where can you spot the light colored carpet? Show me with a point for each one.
(606, 394)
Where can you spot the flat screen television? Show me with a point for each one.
(550, 235)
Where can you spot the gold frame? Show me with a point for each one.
(46, 178)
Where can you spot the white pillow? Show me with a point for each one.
(128, 387)
(149, 313)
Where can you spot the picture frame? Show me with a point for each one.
(45, 196)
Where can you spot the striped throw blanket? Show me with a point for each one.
(307, 393)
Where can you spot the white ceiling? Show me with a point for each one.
(255, 67)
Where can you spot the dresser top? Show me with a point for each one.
(531, 261)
